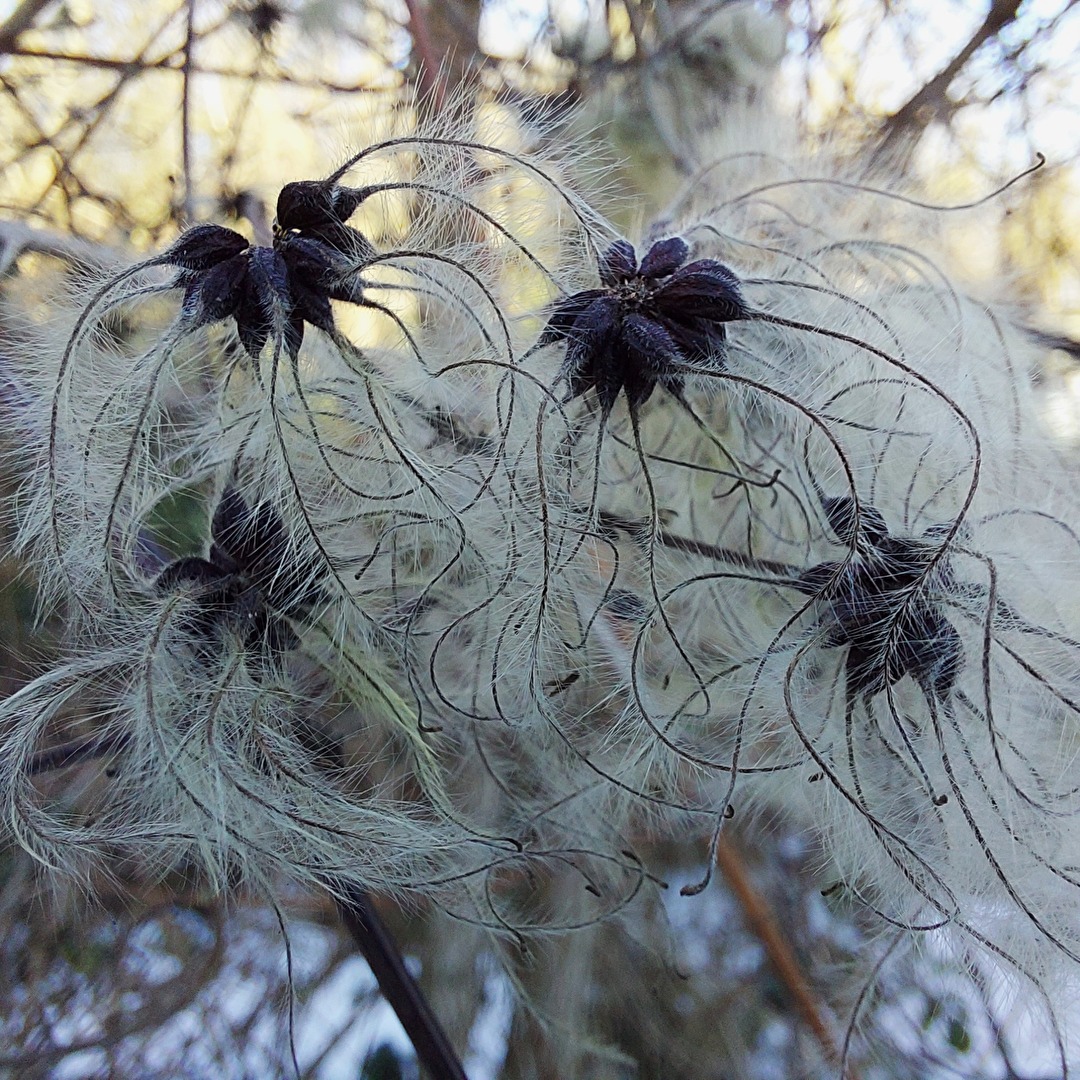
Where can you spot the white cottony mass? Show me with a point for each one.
(522, 541)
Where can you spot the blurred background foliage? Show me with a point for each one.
(123, 121)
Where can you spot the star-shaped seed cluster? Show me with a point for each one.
(250, 582)
(646, 323)
(884, 604)
(273, 291)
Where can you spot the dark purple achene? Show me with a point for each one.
(883, 604)
(247, 582)
(644, 323)
(314, 259)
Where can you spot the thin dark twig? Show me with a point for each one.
(764, 926)
(22, 18)
(398, 987)
(174, 61)
(76, 752)
(699, 547)
(431, 82)
(185, 114)
(931, 102)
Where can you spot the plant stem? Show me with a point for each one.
(398, 987)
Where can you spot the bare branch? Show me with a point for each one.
(397, 985)
(22, 18)
(931, 103)
(15, 238)
(762, 923)
(185, 114)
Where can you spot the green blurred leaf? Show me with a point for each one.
(959, 1037)
(382, 1064)
(180, 522)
